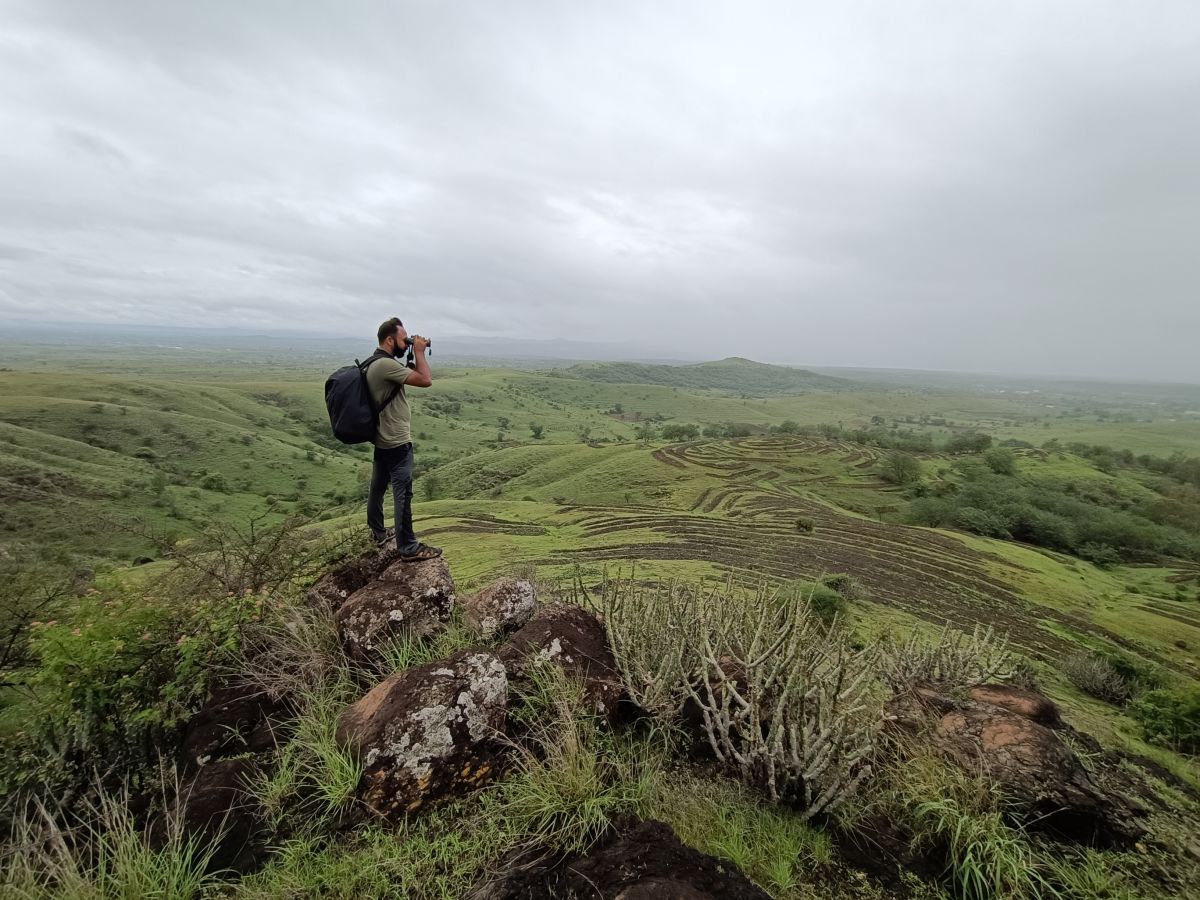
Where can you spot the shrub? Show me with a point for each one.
(827, 604)
(785, 702)
(1095, 675)
(233, 559)
(969, 442)
(978, 521)
(1001, 461)
(1100, 555)
(116, 678)
(805, 525)
(29, 592)
(1170, 718)
(955, 660)
(934, 512)
(846, 585)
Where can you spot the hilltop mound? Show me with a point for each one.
(731, 374)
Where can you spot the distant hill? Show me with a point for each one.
(736, 374)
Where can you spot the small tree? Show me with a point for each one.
(1001, 461)
(680, 432)
(536, 430)
(900, 468)
(430, 487)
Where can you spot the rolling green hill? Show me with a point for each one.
(734, 374)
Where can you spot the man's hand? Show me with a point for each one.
(420, 343)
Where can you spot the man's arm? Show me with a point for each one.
(420, 376)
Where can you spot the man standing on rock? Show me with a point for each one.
(393, 463)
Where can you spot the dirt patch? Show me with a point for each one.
(636, 861)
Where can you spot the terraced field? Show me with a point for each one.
(716, 507)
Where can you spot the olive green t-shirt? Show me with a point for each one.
(384, 376)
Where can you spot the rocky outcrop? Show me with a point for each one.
(500, 608)
(637, 861)
(573, 640)
(336, 586)
(412, 599)
(429, 732)
(1029, 761)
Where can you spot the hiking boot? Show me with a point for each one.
(423, 552)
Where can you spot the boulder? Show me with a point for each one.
(639, 860)
(429, 732)
(215, 805)
(332, 589)
(236, 719)
(1031, 764)
(1030, 704)
(573, 640)
(427, 579)
(385, 610)
(500, 608)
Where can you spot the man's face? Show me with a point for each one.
(399, 341)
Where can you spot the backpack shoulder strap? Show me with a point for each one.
(362, 367)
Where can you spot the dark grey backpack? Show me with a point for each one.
(352, 412)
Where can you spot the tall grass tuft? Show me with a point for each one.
(1096, 676)
(572, 777)
(954, 660)
(316, 780)
(105, 856)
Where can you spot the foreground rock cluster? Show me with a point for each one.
(442, 729)
(438, 730)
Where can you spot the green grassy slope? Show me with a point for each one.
(79, 457)
(181, 449)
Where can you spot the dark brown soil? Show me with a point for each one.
(638, 861)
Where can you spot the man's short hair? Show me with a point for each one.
(388, 328)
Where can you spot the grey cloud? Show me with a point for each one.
(911, 184)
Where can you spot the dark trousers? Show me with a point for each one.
(393, 466)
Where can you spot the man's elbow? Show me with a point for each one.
(421, 381)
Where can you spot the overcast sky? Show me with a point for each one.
(1003, 186)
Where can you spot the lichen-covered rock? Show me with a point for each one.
(333, 589)
(385, 610)
(1030, 704)
(429, 732)
(574, 640)
(427, 579)
(500, 608)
